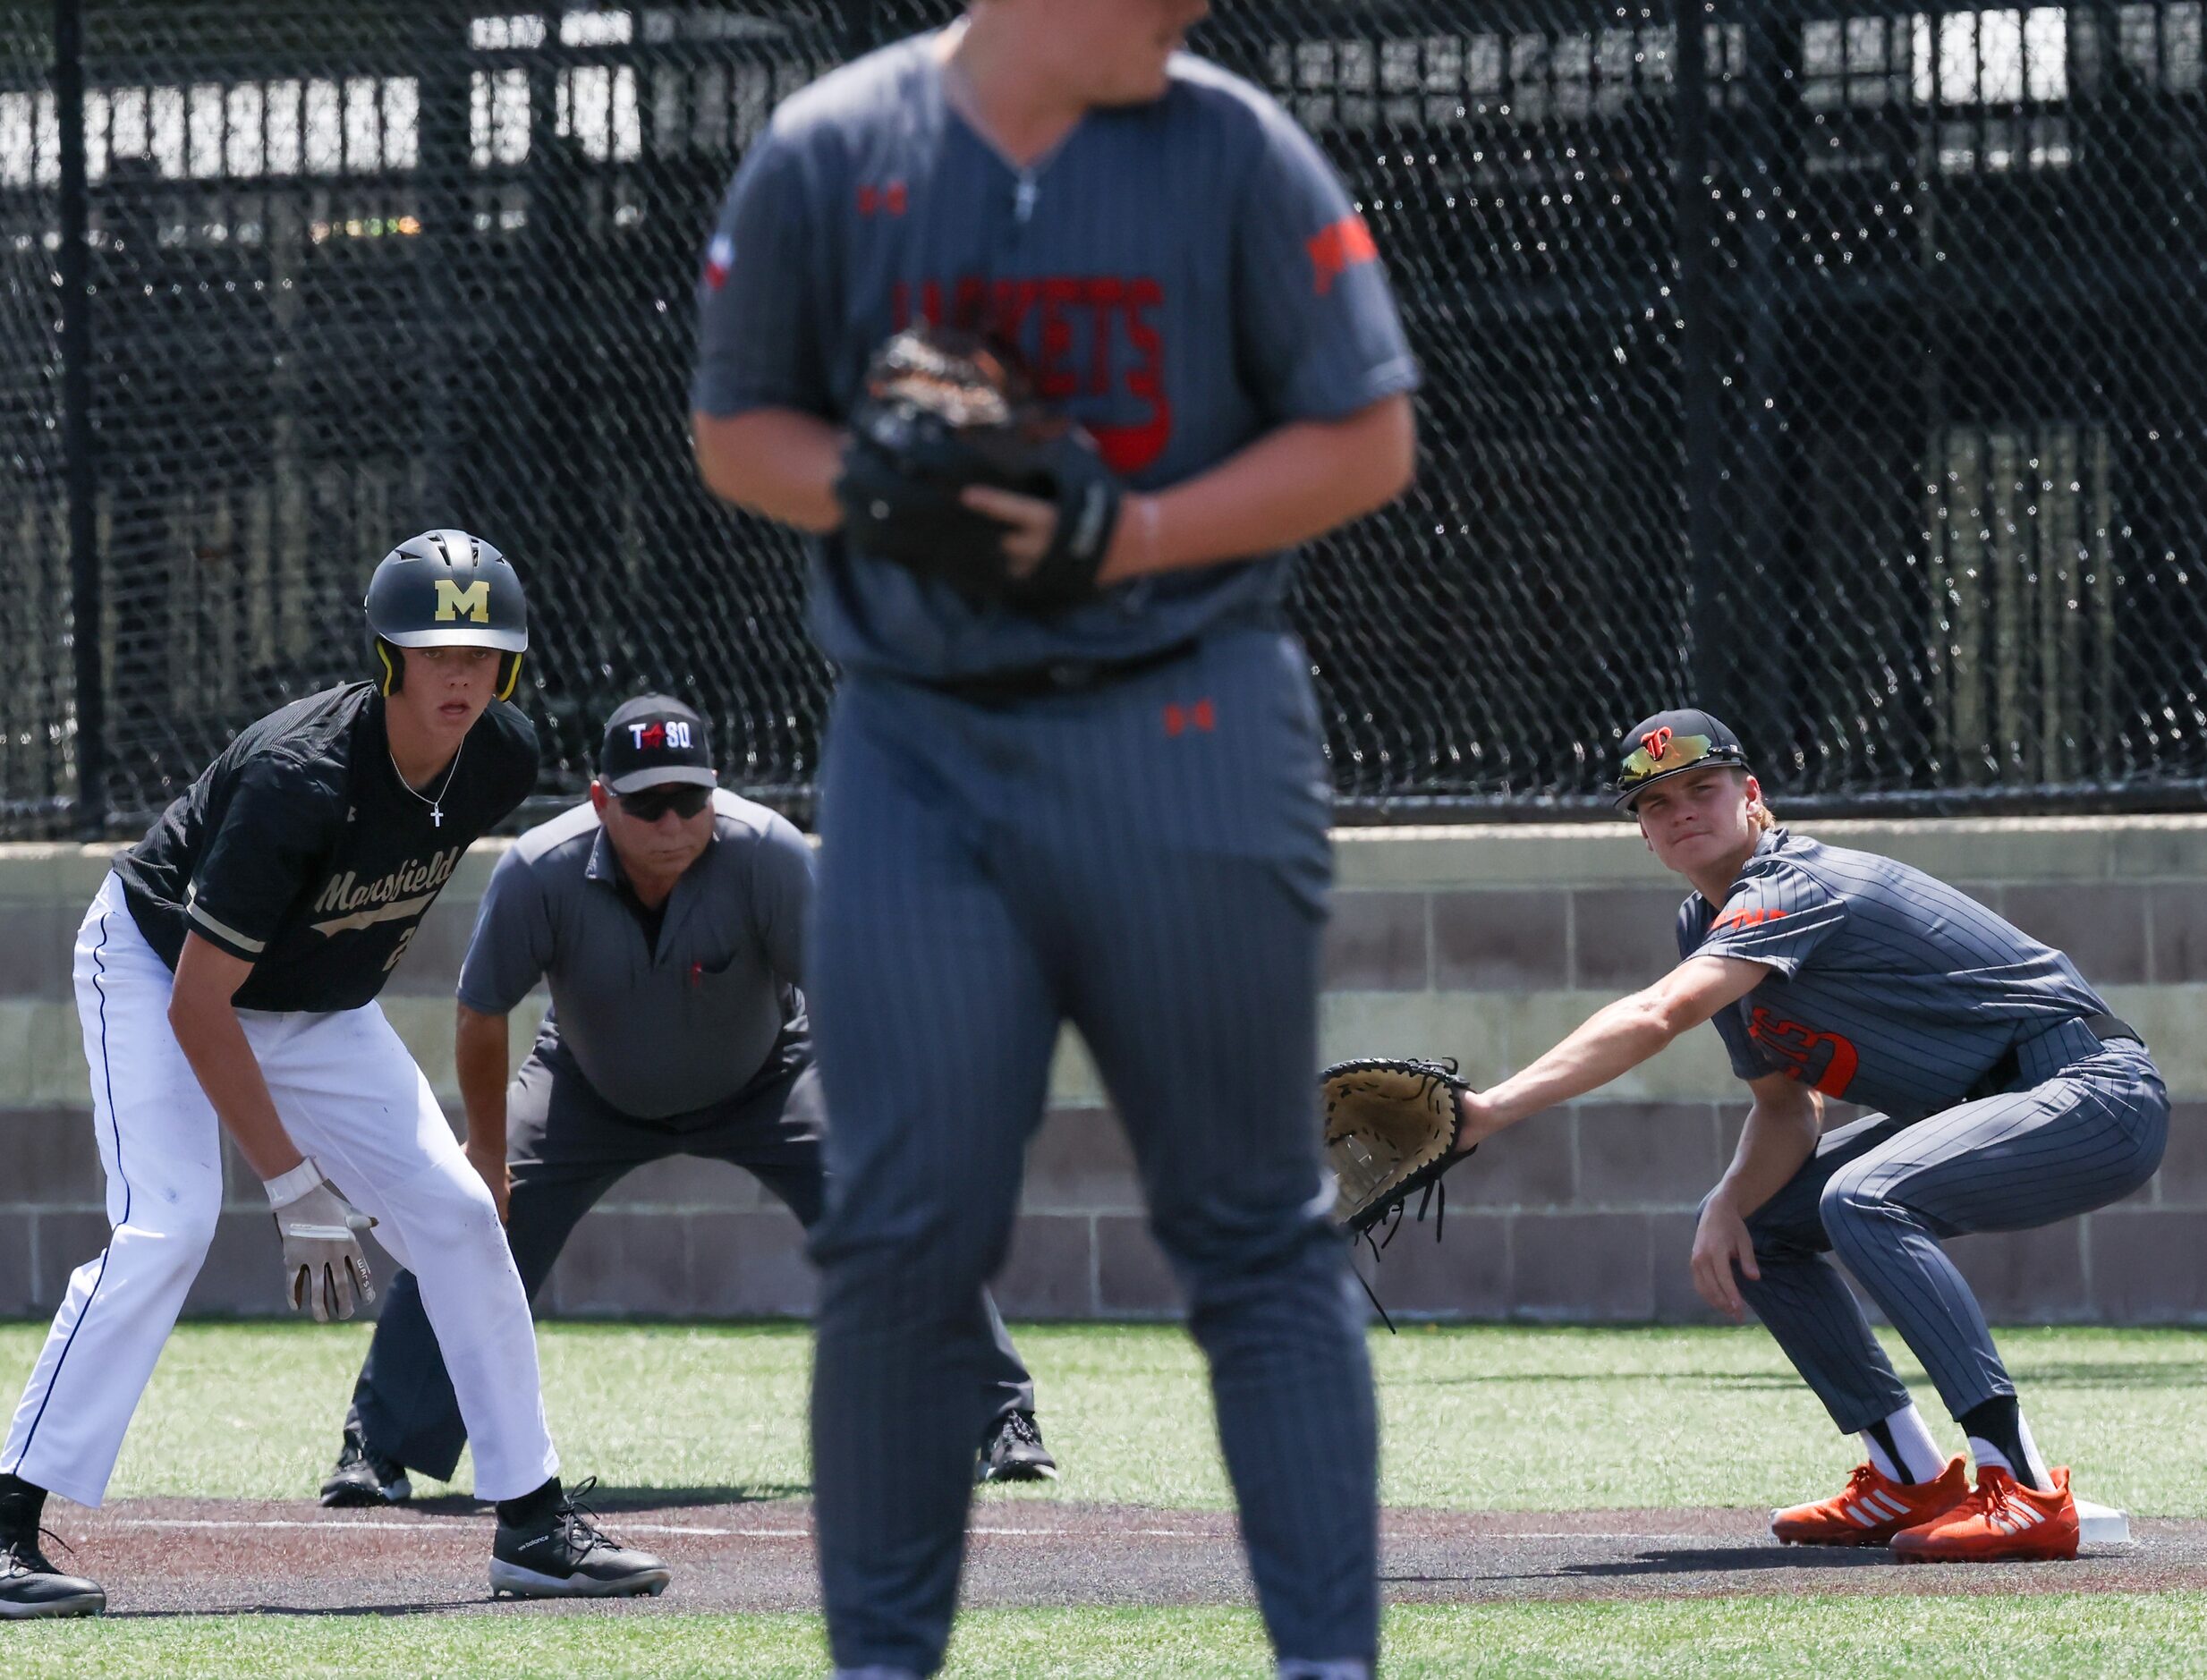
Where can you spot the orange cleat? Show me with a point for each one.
(2002, 1521)
(1872, 1510)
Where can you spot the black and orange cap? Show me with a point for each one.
(1670, 743)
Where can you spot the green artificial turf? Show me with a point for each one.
(1768, 1638)
(1475, 1418)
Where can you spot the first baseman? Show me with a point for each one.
(227, 975)
(667, 916)
(1109, 809)
(2007, 1098)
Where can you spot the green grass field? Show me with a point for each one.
(1506, 1418)
(1769, 1639)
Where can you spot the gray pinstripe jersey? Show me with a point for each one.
(1887, 988)
(1182, 276)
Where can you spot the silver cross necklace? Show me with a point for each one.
(436, 805)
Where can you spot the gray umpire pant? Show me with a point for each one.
(1149, 861)
(2083, 1126)
(566, 1148)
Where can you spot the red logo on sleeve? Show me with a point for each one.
(1745, 918)
(1823, 1060)
(1337, 249)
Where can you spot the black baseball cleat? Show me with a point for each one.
(1013, 1452)
(568, 1556)
(30, 1586)
(364, 1476)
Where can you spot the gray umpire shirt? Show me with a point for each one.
(656, 1032)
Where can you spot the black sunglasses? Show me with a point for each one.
(684, 799)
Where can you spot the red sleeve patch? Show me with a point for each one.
(1337, 248)
(1745, 918)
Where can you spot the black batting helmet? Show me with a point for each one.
(445, 589)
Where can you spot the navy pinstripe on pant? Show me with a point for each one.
(1148, 860)
(2084, 1126)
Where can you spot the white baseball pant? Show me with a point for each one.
(352, 1097)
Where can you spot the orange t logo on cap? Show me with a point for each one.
(1657, 741)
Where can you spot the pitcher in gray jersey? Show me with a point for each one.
(2009, 1099)
(1113, 815)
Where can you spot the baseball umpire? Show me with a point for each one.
(226, 976)
(2009, 1098)
(1074, 770)
(668, 918)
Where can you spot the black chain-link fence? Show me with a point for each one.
(1838, 368)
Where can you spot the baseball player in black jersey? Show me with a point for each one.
(667, 916)
(2009, 1098)
(226, 976)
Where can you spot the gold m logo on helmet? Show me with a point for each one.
(454, 602)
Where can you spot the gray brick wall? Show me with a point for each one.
(1483, 944)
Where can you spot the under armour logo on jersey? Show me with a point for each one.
(1202, 716)
(883, 201)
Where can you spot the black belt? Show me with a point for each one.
(1058, 676)
(2009, 1069)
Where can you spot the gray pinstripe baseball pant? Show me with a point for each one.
(1881, 1192)
(1148, 860)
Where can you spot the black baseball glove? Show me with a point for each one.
(941, 410)
(1390, 1133)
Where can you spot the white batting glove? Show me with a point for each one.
(324, 1270)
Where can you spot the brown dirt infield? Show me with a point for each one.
(168, 1557)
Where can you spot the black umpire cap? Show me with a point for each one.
(1671, 743)
(654, 740)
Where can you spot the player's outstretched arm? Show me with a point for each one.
(479, 1058)
(780, 463)
(1613, 1040)
(1780, 1133)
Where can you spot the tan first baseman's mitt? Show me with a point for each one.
(1390, 1133)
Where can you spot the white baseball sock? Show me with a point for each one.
(1914, 1455)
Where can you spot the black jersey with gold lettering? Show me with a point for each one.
(301, 849)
